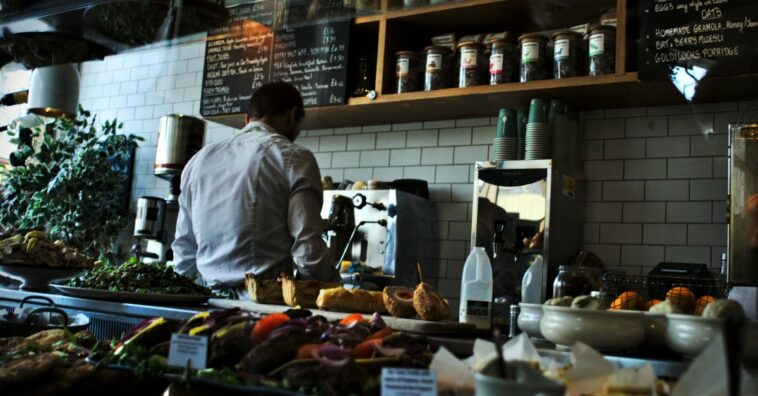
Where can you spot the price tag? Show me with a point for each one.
(186, 348)
(408, 382)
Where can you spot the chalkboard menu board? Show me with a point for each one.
(249, 53)
(700, 37)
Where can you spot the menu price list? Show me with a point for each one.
(248, 53)
(717, 35)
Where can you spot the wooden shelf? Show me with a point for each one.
(613, 91)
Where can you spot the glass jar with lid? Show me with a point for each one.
(602, 50)
(568, 54)
(533, 57)
(503, 62)
(572, 281)
(408, 72)
(437, 70)
(472, 64)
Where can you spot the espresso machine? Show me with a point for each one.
(377, 237)
(179, 138)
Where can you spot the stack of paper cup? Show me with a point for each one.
(505, 144)
(537, 143)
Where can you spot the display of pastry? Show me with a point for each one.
(264, 291)
(34, 249)
(302, 293)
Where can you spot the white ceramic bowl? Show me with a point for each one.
(529, 318)
(690, 334)
(603, 330)
(655, 329)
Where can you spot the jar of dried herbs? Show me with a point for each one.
(602, 50)
(502, 61)
(533, 57)
(472, 64)
(437, 71)
(408, 71)
(567, 54)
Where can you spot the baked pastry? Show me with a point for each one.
(652, 303)
(399, 301)
(587, 302)
(429, 304)
(303, 293)
(564, 301)
(350, 300)
(701, 303)
(628, 300)
(724, 309)
(264, 291)
(666, 307)
(683, 297)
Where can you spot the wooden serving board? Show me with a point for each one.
(448, 328)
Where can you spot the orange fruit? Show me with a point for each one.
(628, 300)
(652, 303)
(682, 297)
(702, 302)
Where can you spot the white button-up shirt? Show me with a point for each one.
(251, 203)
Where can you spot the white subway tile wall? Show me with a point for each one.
(656, 177)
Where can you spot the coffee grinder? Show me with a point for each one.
(179, 138)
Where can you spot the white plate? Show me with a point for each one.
(100, 294)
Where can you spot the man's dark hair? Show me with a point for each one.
(274, 99)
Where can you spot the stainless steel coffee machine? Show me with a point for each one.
(385, 232)
(179, 138)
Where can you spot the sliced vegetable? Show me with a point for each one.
(352, 319)
(365, 349)
(265, 326)
(381, 333)
(305, 351)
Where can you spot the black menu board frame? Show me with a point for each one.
(249, 52)
(702, 38)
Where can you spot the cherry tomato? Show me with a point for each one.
(265, 326)
(352, 318)
(364, 349)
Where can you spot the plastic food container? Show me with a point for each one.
(533, 57)
(568, 54)
(602, 50)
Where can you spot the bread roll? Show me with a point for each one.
(350, 300)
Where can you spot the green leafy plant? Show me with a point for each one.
(70, 182)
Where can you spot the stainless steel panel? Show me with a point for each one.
(742, 264)
(523, 194)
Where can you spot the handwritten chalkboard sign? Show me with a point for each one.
(699, 37)
(249, 53)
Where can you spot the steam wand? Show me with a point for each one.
(382, 223)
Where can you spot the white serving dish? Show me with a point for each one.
(529, 319)
(604, 330)
(690, 334)
(655, 329)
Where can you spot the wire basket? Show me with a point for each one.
(655, 287)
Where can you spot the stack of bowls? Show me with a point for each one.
(505, 144)
(537, 144)
(522, 117)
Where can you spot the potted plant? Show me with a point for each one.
(70, 179)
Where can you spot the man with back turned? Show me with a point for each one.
(252, 203)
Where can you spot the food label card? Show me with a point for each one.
(408, 382)
(188, 348)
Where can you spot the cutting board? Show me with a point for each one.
(447, 328)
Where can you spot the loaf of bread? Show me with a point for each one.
(350, 300)
(264, 291)
(302, 293)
